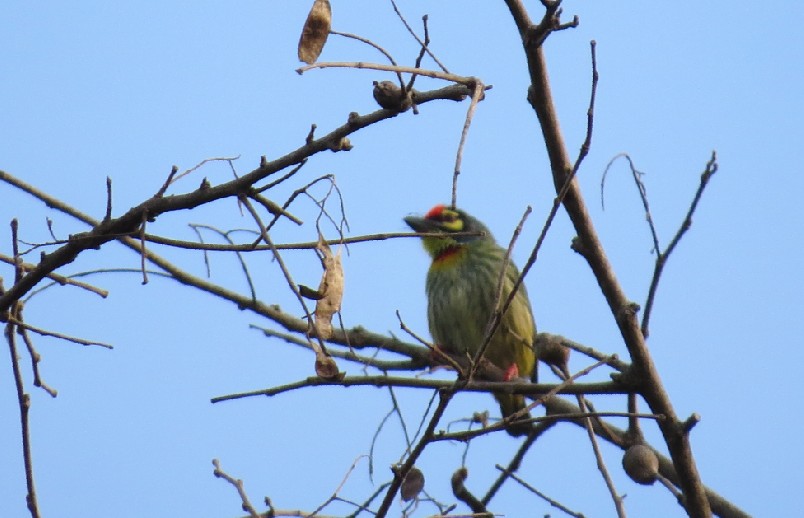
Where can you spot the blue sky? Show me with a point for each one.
(127, 90)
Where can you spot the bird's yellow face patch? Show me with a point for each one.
(444, 250)
(447, 219)
(452, 225)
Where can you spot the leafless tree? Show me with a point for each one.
(388, 361)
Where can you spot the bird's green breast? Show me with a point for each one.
(461, 291)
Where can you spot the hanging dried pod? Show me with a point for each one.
(412, 485)
(330, 289)
(315, 31)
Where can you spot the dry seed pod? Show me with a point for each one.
(330, 289)
(641, 464)
(412, 485)
(344, 144)
(390, 96)
(315, 31)
(326, 368)
(551, 351)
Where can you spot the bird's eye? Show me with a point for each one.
(447, 216)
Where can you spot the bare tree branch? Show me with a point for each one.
(540, 97)
(23, 399)
(525, 388)
(130, 222)
(662, 257)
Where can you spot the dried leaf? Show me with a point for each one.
(315, 31)
(331, 289)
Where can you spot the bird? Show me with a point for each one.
(461, 289)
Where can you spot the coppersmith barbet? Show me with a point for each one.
(461, 290)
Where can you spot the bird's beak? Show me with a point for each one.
(420, 224)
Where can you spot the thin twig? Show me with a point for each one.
(143, 251)
(541, 495)
(601, 465)
(562, 192)
(602, 425)
(590, 112)
(273, 207)
(495, 318)
(176, 177)
(196, 229)
(44, 287)
(467, 435)
(23, 399)
(281, 178)
(566, 384)
(402, 424)
(542, 391)
(24, 405)
(470, 113)
(374, 45)
(402, 471)
(321, 204)
(661, 259)
(243, 266)
(614, 363)
(285, 271)
(516, 460)
(338, 489)
(643, 194)
(366, 361)
(367, 502)
(634, 430)
(418, 63)
(34, 355)
(535, 251)
(309, 245)
(53, 334)
(437, 352)
(108, 215)
(60, 279)
(295, 194)
(466, 81)
(50, 228)
(238, 484)
(161, 192)
(423, 420)
(420, 42)
(374, 443)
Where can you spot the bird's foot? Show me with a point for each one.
(511, 373)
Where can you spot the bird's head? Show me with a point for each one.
(451, 224)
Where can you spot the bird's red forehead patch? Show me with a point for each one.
(435, 212)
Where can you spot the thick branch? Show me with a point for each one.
(110, 229)
(618, 437)
(540, 97)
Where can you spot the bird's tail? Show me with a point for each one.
(510, 404)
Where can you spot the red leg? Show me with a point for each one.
(512, 372)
